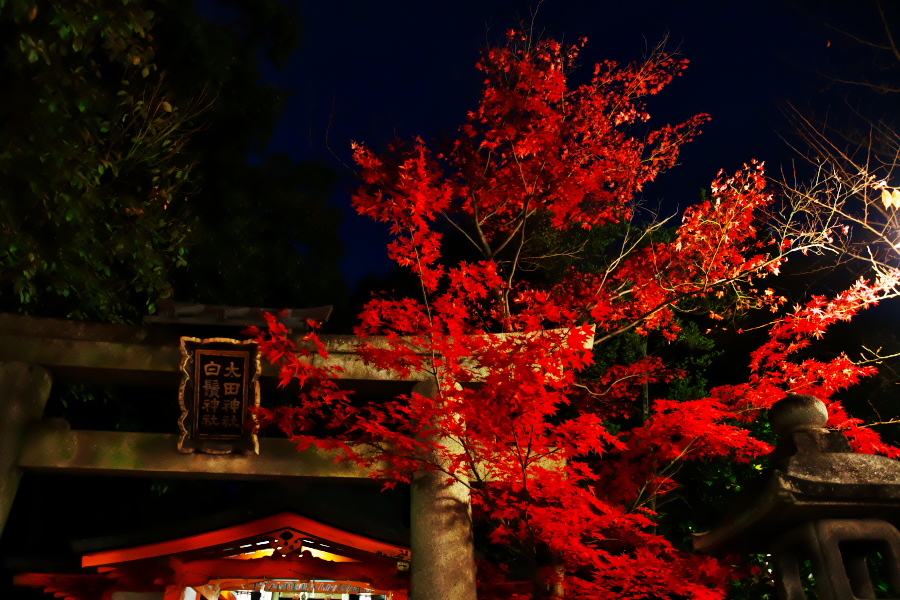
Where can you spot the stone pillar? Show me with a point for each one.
(24, 389)
(443, 556)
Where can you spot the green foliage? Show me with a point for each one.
(125, 134)
(694, 353)
(549, 253)
(92, 165)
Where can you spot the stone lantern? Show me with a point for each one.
(821, 502)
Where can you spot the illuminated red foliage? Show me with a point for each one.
(510, 415)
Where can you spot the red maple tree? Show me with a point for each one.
(561, 469)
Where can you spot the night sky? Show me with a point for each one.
(372, 71)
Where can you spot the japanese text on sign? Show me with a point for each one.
(221, 392)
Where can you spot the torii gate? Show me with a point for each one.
(34, 351)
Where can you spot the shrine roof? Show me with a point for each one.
(285, 548)
(287, 528)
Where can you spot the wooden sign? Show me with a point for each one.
(314, 587)
(220, 383)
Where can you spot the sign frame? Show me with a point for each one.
(219, 386)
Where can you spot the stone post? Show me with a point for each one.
(443, 556)
(24, 389)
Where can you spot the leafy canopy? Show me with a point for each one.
(125, 134)
(91, 160)
(563, 470)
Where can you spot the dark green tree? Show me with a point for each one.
(92, 161)
(125, 134)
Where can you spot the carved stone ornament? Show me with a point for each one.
(219, 386)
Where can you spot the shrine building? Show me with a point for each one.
(284, 555)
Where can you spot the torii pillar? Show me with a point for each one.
(441, 542)
(24, 388)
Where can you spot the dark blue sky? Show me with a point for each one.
(369, 71)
